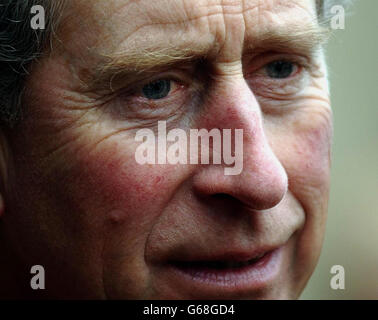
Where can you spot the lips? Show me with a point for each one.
(231, 273)
(218, 264)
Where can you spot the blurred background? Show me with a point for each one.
(351, 238)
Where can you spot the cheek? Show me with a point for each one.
(313, 146)
(131, 198)
(127, 191)
(303, 146)
(312, 149)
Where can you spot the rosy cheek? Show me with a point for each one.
(310, 162)
(130, 192)
(315, 148)
(303, 147)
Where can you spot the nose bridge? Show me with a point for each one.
(262, 182)
(233, 105)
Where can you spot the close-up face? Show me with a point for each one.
(105, 226)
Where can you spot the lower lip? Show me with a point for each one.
(248, 278)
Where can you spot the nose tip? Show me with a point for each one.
(265, 190)
(264, 182)
(260, 189)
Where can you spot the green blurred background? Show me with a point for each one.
(351, 238)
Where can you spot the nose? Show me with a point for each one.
(262, 182)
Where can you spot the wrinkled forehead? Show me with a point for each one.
(122, 24)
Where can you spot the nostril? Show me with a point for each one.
(222, 199)
(221, 202)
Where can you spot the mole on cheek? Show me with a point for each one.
(116, 216)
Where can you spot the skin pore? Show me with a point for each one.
(104, 226)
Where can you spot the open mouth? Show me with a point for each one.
(218, 265)
(226, 274)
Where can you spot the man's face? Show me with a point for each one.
(104, 226)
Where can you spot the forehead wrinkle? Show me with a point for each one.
(214, 10)
(285, 23)
(184, 22)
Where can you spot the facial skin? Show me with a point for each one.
(103, 226)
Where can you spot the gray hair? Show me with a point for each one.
(20, 45)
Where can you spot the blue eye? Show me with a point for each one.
(280, 69)
(156, 90)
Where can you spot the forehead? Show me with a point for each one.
(119, 25)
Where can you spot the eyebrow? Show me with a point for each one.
(131, 64)
(298, 38)
(126, 65)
